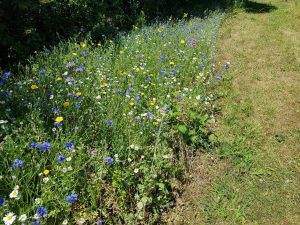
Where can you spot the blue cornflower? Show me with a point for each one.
(161, 72)
(44, 146)
(43, 74)
(56, 111)
(163, 35)
(203, 55)
(108, 160)
(202, 65)
(80, 69)
(162, 57)
(18, 163)
(7, 75)
(109, 122)
(100, 221)
(150, 115)
(60, 158)
(70, 79)
(42, 211)
(34, 145)
(226, 66)
(58, 124)
(119, 91)
(167, 108)
(218, 77)
(180, 97)
(129, 90)
(77, 105)
(72, 198)
(199, 25)
(1, 82)
(69, 146)
(1, 201)
(37, 222)
(137, 98)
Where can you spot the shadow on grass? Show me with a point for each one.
(255, 7)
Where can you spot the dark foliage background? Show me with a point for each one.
(27, 26)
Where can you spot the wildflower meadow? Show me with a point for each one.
(99, 133)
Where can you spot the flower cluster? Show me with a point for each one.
(89, 130)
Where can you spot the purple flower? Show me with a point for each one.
(77, 105)
(60, 158)
(44, 146)
(72, 198)
(69, 146)
(108, 160)
(42, 211)
(18, 163)
(109, 122)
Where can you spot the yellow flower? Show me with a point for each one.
(131, 103)
(33, 87)
(172, 63)
(59, 78)
(137, 69)
(66, 104)
(74, 53)
(182, 41)
(152, 103)
(103, 85)
(99, 44)
(59, 119)
(121, 52)
(78, 93)
(198, 77)
(83, 45)
(46, 172)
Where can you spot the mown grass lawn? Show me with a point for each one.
(255, 169)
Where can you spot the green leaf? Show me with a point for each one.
(182, 128)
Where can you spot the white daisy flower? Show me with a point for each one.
(9, 218)
(14, 194)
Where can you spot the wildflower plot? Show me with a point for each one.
(92, 133)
